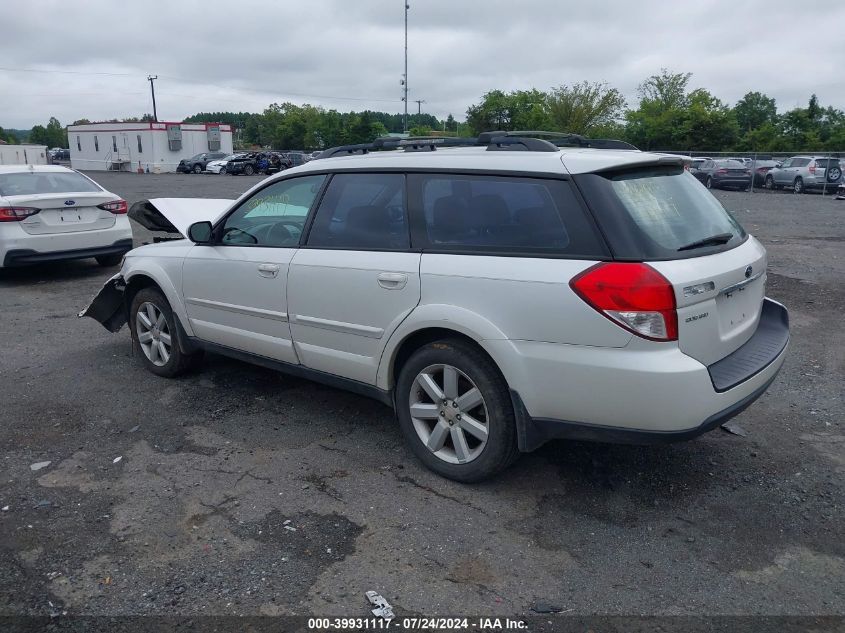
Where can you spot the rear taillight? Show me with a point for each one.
(117, 207)
(16, 214)
(635, 296)
(722, 171)
(812, 168)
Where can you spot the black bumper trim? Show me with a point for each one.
(766, 344)
(23, 256)
(534, 432)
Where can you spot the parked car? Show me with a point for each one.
(761, 168)
(495, 299)
(801, 173)
(51, 213)
(840, 192)
(723, 174)
(219, 166)
(196, 164)
(297, 158)
(258, 163)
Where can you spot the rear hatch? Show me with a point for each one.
(663, 216)
(67, 201)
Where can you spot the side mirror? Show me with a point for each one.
(200, 232)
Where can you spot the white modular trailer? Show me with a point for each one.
(154, 147)
(23, 154)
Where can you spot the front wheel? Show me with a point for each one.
(455, 411)
(709, 183)
(155, 337)
(197, 169)
(770, 183)
(249, 170)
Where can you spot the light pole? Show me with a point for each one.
(405, 76)
(151, 79)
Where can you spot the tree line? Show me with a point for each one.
(668, 115)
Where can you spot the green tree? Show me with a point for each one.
(755, 110)
(583, 107)
(666, 91)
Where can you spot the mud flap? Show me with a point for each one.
(108, 306)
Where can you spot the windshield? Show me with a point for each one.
(37, 182)
(650, 213)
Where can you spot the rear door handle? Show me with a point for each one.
(392, 281)
(268, 270)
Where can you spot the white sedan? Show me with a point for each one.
(219, 166)
(51, 213)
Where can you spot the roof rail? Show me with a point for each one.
(512, 140)
(558, 139)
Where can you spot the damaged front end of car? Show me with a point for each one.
(108, 306)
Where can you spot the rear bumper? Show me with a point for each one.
(640, 394)
(739, 181)
(22, 256)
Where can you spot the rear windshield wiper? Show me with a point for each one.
(713, 240)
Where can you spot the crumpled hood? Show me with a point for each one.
(175, 215)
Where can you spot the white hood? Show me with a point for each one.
(175, 215)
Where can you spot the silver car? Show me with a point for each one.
(800, 173)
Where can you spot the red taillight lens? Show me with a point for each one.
(117, 207)
(722, 171)
(635, 296)
(16, 214)
(812, 168)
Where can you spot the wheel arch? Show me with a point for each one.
(153, 275)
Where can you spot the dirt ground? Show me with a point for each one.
(241, 491)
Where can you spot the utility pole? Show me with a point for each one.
(151, 79)
(419, 106)
(405, 76)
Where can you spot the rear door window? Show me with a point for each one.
(659, 213)
(502, 214)
(362, 211)
(800, 162)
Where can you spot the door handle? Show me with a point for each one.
(268, 270)
(392, 281)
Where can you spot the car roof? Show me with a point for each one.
(12, 169)
(565, 160)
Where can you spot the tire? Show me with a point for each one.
(798, 185)
(770, 183)
(709, 182)
(197, 169)
(109, 260)
(222, 171)
(249, 170)
(462, 454)
(834, 174)
(164, 325)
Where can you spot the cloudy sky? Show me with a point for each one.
(90, 58)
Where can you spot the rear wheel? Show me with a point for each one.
(798, 185)
(109, 260)
(770, 182)
(455, 411)
(197, 168)
(709, 182)
(222, 171)
(249, 170)
(155, 337)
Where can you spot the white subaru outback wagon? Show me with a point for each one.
(495, 295)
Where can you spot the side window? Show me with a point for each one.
(114, 144)
(504, 214)
(786, 163)
(140, 147)
(78, 144)
(800, 162)
(96, 144)
(274, 216)
(362, 211)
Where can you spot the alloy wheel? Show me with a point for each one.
(449, 414)
(153, 334)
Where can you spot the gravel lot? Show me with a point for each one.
(193, 516)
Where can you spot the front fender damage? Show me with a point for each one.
(108, 307)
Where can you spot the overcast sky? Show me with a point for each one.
(348, 55)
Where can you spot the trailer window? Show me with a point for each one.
(140, 147)
(96, 144)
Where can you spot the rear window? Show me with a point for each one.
(504, 214)
(37, 182)
(658, 213)
(731, 164)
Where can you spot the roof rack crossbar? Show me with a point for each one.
(499, 140)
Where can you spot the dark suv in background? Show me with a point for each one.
(196, 164)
